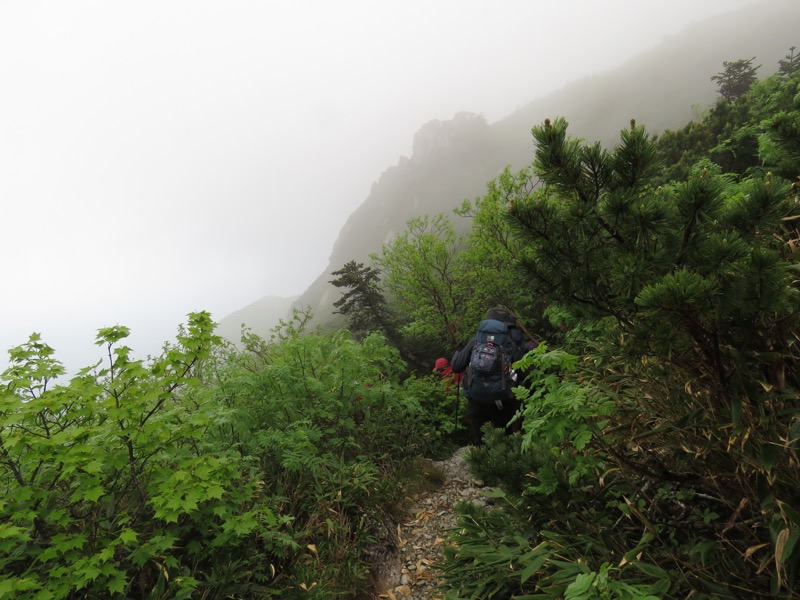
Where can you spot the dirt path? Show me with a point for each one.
(412, 575)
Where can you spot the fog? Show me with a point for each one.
(158, 158)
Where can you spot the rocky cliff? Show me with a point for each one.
(453, 160)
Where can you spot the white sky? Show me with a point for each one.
(161, 157)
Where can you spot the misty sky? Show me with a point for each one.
(158, 158)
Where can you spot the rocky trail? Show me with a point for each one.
(410, 573)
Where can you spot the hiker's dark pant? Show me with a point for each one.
(479, 414)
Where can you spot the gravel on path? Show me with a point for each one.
(411, 573)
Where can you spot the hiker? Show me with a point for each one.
(489, 396)
(445, 371)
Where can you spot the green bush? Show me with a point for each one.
(667, 452)
(332, 423)
(110, 485)
(206, 473)
(553, 528)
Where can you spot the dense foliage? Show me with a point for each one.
(661, 453)
(658, 455)
(206, 473)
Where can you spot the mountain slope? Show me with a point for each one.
(260, 316)
(454, 160)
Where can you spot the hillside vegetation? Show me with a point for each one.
(662, 88)
(658, 453)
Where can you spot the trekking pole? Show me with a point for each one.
(458, 401)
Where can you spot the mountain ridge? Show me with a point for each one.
(661, 88)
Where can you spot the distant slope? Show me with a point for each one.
(662, 88)
(455, 159)
(260, 316)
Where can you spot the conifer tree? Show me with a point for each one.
(363, 302)
(789, 65)
(366, 305)
(593, 216)
(756, 134)
(736, 78)
(682, 297)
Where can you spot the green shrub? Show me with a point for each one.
(110, 485)
(333, 423)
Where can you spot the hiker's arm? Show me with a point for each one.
(460, 360)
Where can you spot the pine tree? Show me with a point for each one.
(366, 306)
(736, 78)
(789, 65)
(363, 302)
(760, 132)
(682, 301)
(593, 216)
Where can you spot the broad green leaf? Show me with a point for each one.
(128, 536)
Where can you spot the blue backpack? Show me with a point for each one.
(489, 377)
